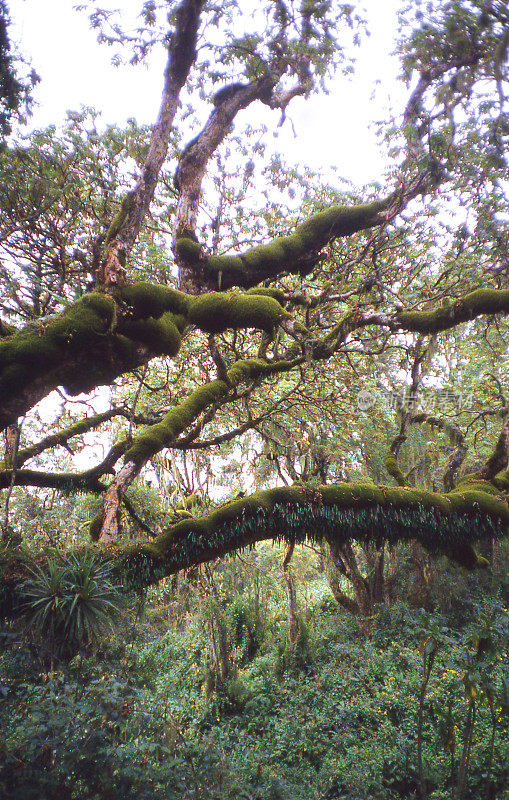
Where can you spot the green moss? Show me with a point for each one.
(96, 527)
(219, 264)
(160, 335)
(391, 465)
(160, 435)
(245, 369)
(474, 304)
(269, 291)
(217, 311)
(145, 299)
(120, 217)
(310, 236)
(336, 513)
(188, 250)
(40, 347)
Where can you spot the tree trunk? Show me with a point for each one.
(293, 627)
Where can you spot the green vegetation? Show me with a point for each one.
(334, 716)
(254, 419)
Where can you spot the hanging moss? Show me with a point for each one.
(448, 523)
(474, 304)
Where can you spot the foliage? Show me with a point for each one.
(68, 602)
(138, 720)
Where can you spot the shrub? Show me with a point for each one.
(69, 601)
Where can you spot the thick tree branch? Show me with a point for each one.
(297, 253)
(448, 523)
(100, 337)
(125, 228)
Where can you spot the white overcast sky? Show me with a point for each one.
(330, 130)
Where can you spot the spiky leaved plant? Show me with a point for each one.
(69, 602)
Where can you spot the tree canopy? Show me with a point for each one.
(160, 264)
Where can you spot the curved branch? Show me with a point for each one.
(336, 514)
(193, 161)
(456, 438)
(472, 305)
(297, 253)
(66, 482)
(446, 523)
(63, 436)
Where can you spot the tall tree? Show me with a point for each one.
(352, 284)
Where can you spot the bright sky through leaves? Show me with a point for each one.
(327, 131)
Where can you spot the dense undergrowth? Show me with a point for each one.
(333, 717)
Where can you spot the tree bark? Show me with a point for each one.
(125, 229)
(293, 624)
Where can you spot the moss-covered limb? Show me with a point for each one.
(70, 348)
(64, 435)
(100, 337)
(336, 514)
(444, 523)
(391, 465)
(66, 482)
(217, 311)
(472, 305)
(163, 433)
(456, 438)
(296, 253)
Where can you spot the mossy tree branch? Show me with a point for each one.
(100, 337)
(447, 523)
(297, 253)
(175, 422)
(472, 305)
(336, 514)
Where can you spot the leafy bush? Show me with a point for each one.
(69, 602)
